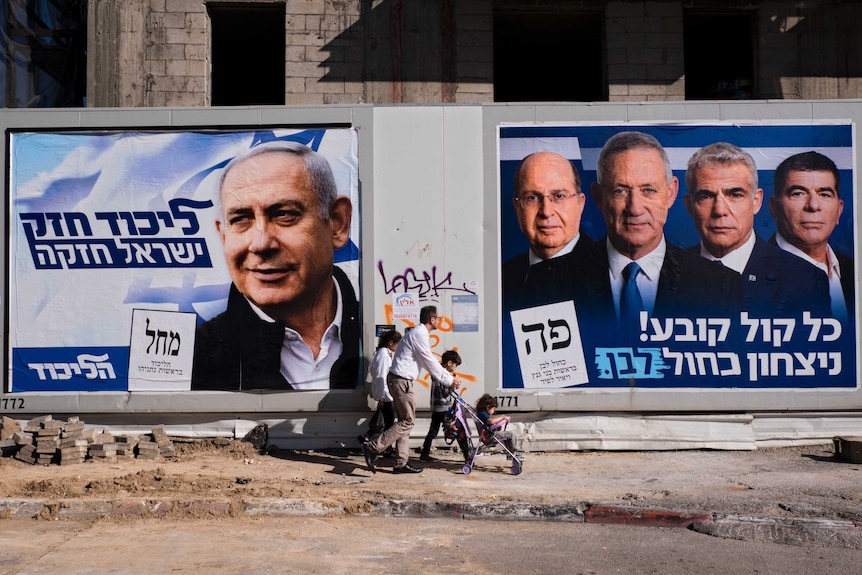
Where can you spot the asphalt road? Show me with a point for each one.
(802, 496)
(353, 545)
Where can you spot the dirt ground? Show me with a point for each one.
(802, 481)
(207, 468)
(200, 468)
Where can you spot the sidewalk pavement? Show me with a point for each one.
(801, 495)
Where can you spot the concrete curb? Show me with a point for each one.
(614, 515)
(295, 507)
(513, 511)
(790, 531)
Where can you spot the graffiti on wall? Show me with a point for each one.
(430, 285)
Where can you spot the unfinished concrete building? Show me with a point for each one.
(311, 52)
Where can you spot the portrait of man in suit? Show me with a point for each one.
(548, 202)
(292, 318)
(807, 206)
(722, 199)
(686, 285)
(638, 268)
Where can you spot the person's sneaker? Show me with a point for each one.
(362, 439)
(390, 452)
(406, 469)
(425, 457)
(369, 457)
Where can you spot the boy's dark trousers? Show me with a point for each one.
(437, 418)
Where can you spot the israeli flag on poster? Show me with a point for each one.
(105, 222)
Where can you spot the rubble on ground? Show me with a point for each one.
(48, 441)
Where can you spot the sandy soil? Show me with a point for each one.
(210, 469)
(804, 481)
(200, 467)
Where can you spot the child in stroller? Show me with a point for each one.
(491, 428)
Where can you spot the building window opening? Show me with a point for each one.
(548, 57)
(43, 54)
(247, 54)
(716, 69)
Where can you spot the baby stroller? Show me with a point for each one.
(457, 427)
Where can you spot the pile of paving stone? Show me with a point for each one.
(48, 441)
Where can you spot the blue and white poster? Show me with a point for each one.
(696, 256)
(249, 233)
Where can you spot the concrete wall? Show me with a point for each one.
(430, 206)
(644, 51)
(810, 50)
(156, 52)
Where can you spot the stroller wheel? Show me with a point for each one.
(467, 469)
(516, 467)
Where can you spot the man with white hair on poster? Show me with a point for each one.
(292, 319)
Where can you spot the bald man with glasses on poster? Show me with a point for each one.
(548, 204)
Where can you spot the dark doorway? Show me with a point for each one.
(43, 54)
(548, 57)
(248, 45)
(719, 56)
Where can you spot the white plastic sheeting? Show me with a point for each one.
(537, 432)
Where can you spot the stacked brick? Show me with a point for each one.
(46, 441)
(126, 445)
(166, 446)
(45, 435)
(8, 447)
(103, 447)
(148, 449)
(8, 431)
(27, 450)
(73, 444)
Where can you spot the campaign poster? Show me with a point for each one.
(180, 259)
(743, 244)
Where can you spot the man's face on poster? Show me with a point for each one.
(723, 203)
(548, 202)
(278, 248)
(634, 197)
(808, 208)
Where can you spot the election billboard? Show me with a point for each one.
(714, 256)
(183, 259)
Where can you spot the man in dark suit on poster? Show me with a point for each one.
(636, 268)
(292, 319)
(723, 199)
(548, 203)
(806, 205)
